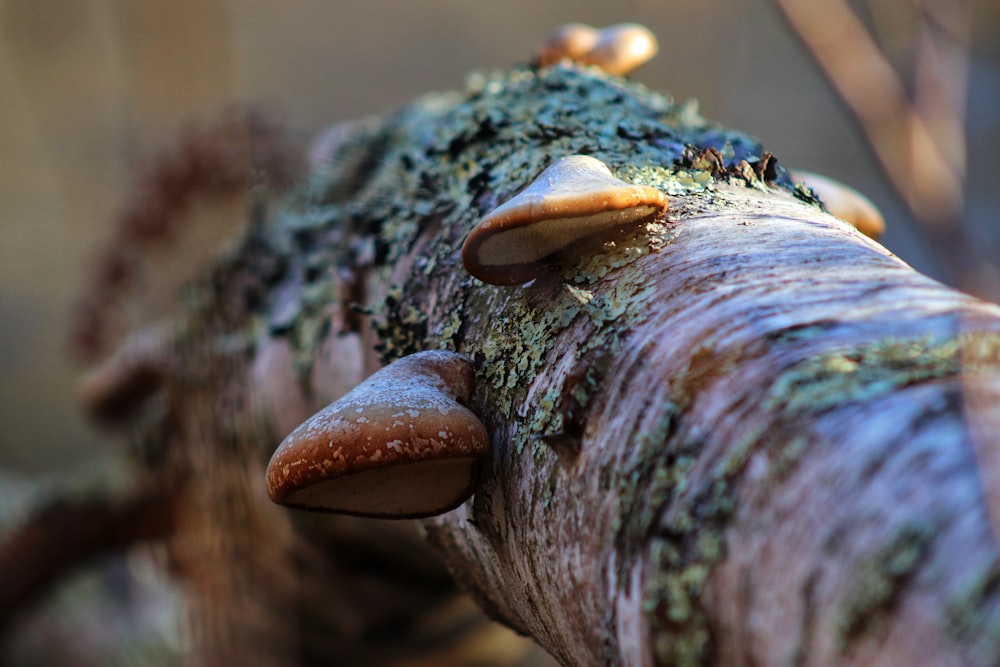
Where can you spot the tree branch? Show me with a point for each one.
(920, 144)
(66, 534)
(745, 434)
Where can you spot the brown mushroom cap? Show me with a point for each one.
(570, 41)
(621, 49)
(617, 49)
(575, 199)
(844, 202)
(399, 445)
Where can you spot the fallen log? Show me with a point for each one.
(738, 433)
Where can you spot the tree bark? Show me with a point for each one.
(745, 435)
(778, 461)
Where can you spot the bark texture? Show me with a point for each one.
(745, 435)
(777, 463)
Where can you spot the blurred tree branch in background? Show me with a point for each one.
(68, 533)
(919, 138)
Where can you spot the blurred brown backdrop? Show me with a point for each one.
(90, 88)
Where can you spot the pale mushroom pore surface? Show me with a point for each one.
(413, 490)
(531, 243)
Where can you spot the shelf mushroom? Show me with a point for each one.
(617, 49)
(575, 201)
(399, 445)
(844, 202)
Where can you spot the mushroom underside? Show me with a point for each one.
(517, 255)
(531, 243)
(407, 490)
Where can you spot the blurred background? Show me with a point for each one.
(91, 89)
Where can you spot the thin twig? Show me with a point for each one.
(903, 141)
(241, 150)
(68, 533)
(942, 76)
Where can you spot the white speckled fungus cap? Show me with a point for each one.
(399, 445)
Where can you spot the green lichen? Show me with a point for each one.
(511, 125)
(681, 631)
(877, 368)
(671, 598)
(877, 580)
(449, 329)
(515, 350)
(686, 540)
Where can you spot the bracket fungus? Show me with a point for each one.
(574, 202)
(617, 50)
(845, 203)
(399, 445)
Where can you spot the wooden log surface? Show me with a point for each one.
(744, 435)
